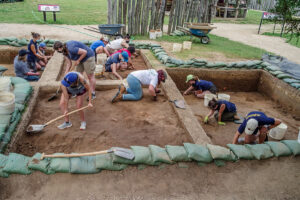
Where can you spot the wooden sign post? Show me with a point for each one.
(48, 8)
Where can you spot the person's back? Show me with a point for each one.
(146, 77)
(116, 44)
(73, 47)
(230, 107)
(97, 44)
(21, 68)
(203, 85)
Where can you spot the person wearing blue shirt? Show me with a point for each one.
(33, 55)
(255, 125)
(41, 63)
(21, 67)
(115, 62)
(224, 111)
(201, 87)
(98, 46)
(83, 57)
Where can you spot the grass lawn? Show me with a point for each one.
(293, 41)
(230, 49)
(253, 17)
(73, 12)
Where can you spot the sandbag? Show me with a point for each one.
(220, 153)
(120, 160)
(159, 155)
(275, 73)
(11, 39)
(40, 165)
(231, 65)
(171, 65)
(293, 145)
(14, 43)
(142, 155)
(83, 165)
(241, 64)
(279, 149)
(290, 80)
(296, 85)
(177, 153)
(60, 165)
(20, 98)
(188, 62)
(3, 161)
(23, 42)
(215, 65)
(19, 106)
(17, 164)
(198, 152)
(105, 161)
(196, 60)
(18, 80)
(14, 115)
(283, 75)
(272, 68)
(5, 119)
(241, 151)
(260, 151)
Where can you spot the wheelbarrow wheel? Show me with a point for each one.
(204, 40)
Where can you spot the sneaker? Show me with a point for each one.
(93, 96)
(83, 126)
(117, 97)
(65, 125)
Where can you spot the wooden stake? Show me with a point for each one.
(124, 15)
(109, 12)
(152, 20)
(120, 12)
(171, 17)
(129, 16)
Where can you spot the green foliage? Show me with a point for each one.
(286, 8)
(293, 41)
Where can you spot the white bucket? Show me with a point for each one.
(225, 97)
(5, 83)
(101, 59)
(7, 103)
(98, 71)
(207, 98)
(152, 34)
(278, 132)
(158, 33)
(177, 47)
(187, 45)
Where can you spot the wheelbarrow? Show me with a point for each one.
(111, 29)
(199, 30)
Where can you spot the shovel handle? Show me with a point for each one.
(62, 116)
(76, 154)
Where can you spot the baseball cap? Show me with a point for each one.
(189, 77)
(125, 56)
(70, 78)
(23, 52)
(251, 125)
(42, 45)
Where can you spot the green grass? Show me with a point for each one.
(228, 48)
(293, 41)
(73, 12)
(253, 17)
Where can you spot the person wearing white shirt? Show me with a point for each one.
(136, 80)
(117, 44)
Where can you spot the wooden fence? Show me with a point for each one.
(140, 16)
(265, 5)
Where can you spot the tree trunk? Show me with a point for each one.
(120, 12)
(109, 12)
(237, 8)
(133, 17)
(161, 12)
(129, 16)
(171, 16)
(225, 11)
(153, 10)
(124, 15)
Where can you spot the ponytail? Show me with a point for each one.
(35, 35)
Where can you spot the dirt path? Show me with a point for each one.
(247, 34)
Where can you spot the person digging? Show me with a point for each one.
(255, 125)
(116, 62)
(222, 110)
(136, 79)
(201, 87)
(74, 84)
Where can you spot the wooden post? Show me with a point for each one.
(163, 17)
(143, 17)
(129, 16)
(120, 12)
(124, 15)
(189, 11)
(161, 11)
(137, 17)
(152, 20)
(109, 12)
(147, 16)
(114, 13)
(175, 15)
(157, 14)
(171, 16)
(183, 16)
(225, 11)
(237, 8)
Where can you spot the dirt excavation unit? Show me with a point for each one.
(176, 156)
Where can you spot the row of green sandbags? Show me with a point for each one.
(152, 155)
(8, 123)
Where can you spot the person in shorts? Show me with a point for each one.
(74, 84)
(201, 87)
(83, 57)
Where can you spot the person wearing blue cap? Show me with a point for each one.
(74, 84)
(21, 67)
(41, 63)
(115, 62)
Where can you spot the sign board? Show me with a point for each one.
(267, 15)
(48, 8)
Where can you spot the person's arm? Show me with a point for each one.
(188, 90)
(152, 92)
(222, 108)
(40, 52)
(106, 52)
(130, 64)
(124, 44)
(211, 112)
(32, 74)
(114, 71)
(69, 65)
(276, 123)
(82, 53)
(87, 87)
(236, 137)
(32, 47)
(66, 95)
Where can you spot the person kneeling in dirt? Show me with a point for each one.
(135, 81)
(99, 46)
(41, 63)
(255, 125)
(224, 111)
(83, 57)
(130, 51)
(21, 67)
(201, 87)
(74, 84)
(117, 44)
(115, 62)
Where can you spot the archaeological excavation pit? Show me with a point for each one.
(250, 90)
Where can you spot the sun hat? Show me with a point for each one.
(125, 56)
(189, 77)
(70, 78)
(251, 126)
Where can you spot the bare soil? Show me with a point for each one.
(245, 103)
(122, 124)
(10, 70)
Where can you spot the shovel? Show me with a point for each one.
(37, 128)
(178, 103)
(55, 95)
(121, 152)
